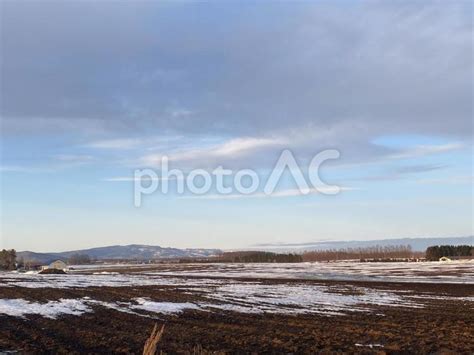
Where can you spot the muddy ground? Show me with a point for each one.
(440, 327)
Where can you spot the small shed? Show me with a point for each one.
(56, 265)
(444, 258)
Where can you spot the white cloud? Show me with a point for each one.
(57, 162)
(72, 158)
(281, 193)
(422, 150)
(123, 143)
(132, 178)
(179, 112)
(244, 145)
(20, 169)
(233, 148)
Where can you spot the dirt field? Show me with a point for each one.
(396, 318)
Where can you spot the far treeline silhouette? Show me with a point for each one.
(436, 252)
(377, 252)
(259, 257)
(79, 259)
(8, 259)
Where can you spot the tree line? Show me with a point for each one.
(79, 259)
(8, 259)
(258, 257)
(436, 252)
(376, 252)
(74, 259)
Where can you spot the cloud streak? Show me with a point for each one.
(423, 150)
(123, 143)
(216, 154)
(276, 194)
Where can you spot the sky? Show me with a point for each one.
(91, 91)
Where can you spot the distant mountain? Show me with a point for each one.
(42, 258)
(417, 244)
(150, 252)
(122, 252)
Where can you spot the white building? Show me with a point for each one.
(58, 265)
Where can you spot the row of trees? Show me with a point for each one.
(8, 259)
(377, 252)
(259, 257)
(32, 264)
(79, 259)
(435, 252)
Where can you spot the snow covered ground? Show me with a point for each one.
(436, 272)
(19, 307)
(249, 296)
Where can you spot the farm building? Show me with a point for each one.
(450, 258)
(56, 265)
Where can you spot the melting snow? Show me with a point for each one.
(20, 307)
(435, 272)
(95, 280)
(250, 296)
(162, 307)
(370, 345)
(245, 297)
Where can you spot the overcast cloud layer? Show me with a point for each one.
(329, 73)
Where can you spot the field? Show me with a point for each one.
(281, 308)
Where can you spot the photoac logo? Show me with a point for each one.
(148, 181)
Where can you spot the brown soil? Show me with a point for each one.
(441, 327)
(52, 272)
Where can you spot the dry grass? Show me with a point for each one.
(153, 340)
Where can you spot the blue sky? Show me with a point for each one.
(92, 91)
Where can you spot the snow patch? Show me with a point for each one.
(370, 345)
(162, 307)
(19, 307)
